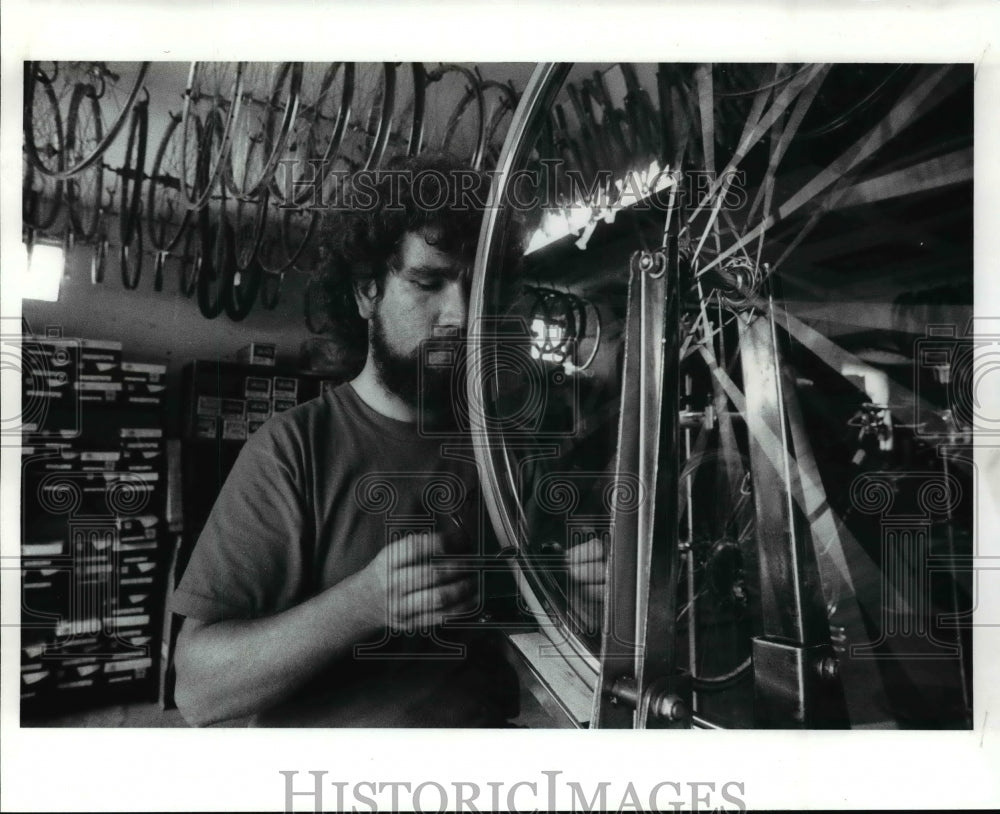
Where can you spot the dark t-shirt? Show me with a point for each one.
(315, 494)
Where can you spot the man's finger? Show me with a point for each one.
(590, 551)
(412, 548)
(447, 599)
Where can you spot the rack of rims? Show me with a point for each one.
(226, 193)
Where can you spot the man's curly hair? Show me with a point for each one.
(363, 240)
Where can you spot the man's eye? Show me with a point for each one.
(429, 285)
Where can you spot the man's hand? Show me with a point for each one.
(410, 589)
(585, 563)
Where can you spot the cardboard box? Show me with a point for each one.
(257, 387)
(138, 525)
(234, 429)
(103, 351)
(100, 357)
(142, 373)
(285, 386)
(258, 409)
(208, 405)
(101, 392)
(141, 393)
(95, 460)
(234, 408)
(206, 427)
(137, 433)
(258, 353)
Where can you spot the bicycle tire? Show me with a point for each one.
(366, 137)
(473, 96)
(130, 260)
(114, 128)
(133, 173)
(295, 250)
(271, 256)
(39, 211)
(99, 259)
(494, 136)
(315, 136)
(158, 222)
(273, 136)
(407, 119)
(190, 263)
(216, 264)
(74, 200)
(242, 289)
(49, 120)
(159, 263)
(197, 185)
(34, 213)
(249, 231)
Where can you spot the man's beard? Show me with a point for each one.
(434, 392)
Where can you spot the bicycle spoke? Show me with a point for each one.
(917, 101)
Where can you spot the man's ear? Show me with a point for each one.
(365, 294)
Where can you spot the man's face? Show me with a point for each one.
(425, 297)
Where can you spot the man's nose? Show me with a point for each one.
(455, 306)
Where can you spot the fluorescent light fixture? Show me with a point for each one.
(43, 272)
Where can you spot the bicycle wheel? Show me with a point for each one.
(42, 125)
(133, 173)
(500, 102)
(316, 133)
(191, 260)
(242, 290)
(214, 91)
(463, 133)
(268, 107)
(296, 233)
(130, 260)
(99, 258)
(367, 132)
(406, 128)
(114, 85)
(41, 199)
(215, 272)
(167, 214)
(84, 130)
(784, 180)
(251, 223)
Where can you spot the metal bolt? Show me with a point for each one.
(829, 668)
(671, 708)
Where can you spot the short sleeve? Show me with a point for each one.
(250, 558)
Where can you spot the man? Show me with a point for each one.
(335, 582)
